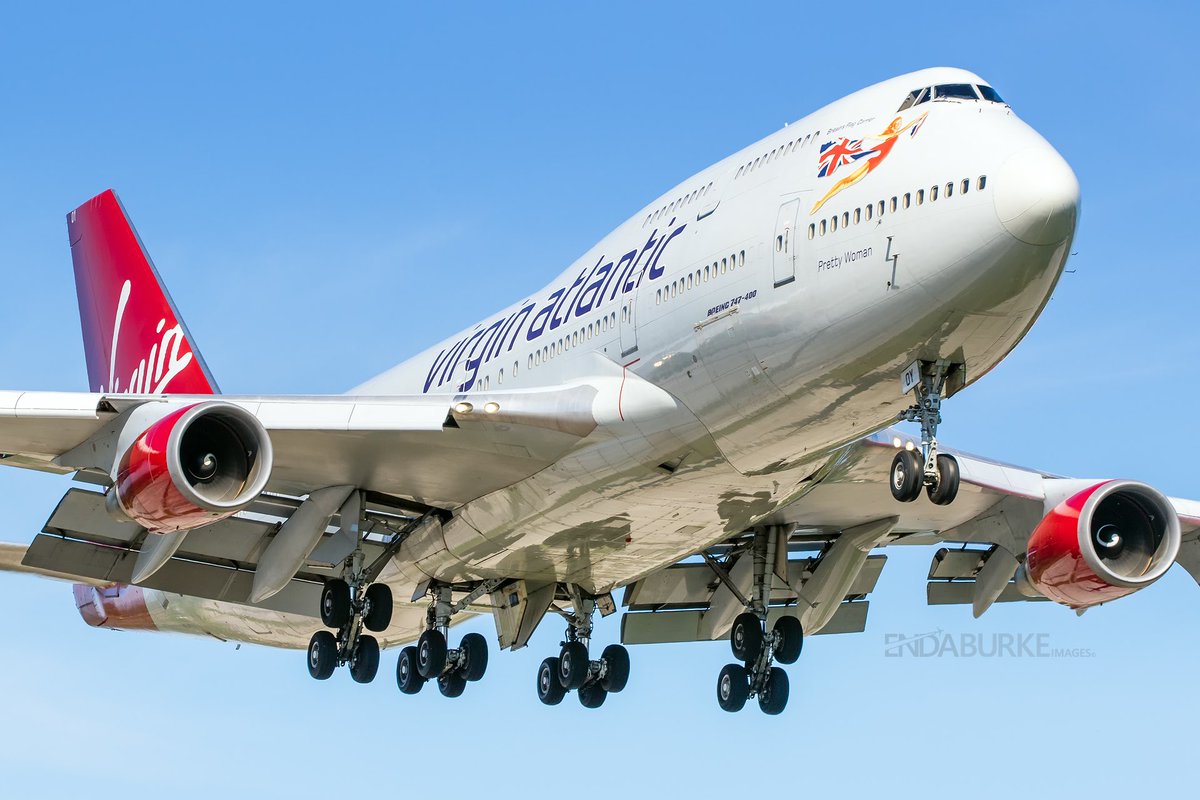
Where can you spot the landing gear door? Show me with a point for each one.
(786, 243)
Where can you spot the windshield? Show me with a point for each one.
(957, 91)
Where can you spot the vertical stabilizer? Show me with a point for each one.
(133, 337)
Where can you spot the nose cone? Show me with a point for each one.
(1037, 196)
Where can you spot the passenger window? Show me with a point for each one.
(933, 193)
(920, 196)
(779, 243)
(949, 189)
(658, 297)
(742, 259)
(530, 361)
(812, 231)
(723, 266)
(845, 219)
(893, 204)
(822, 227)
(907, 199)
(739, 173)
(706, 273)
(966, 185)
(857, 215)
(982, 182)
(833, 223)
(881, 208)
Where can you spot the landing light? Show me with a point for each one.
(463, 408)
(491, 407)
(909, 446)
(897, 443)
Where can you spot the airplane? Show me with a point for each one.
(699, 414)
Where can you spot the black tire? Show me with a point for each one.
(746, 637)
(366, 660)
(616, 661)
(322, 655)
(408, 680)
(573, 665)
(474, 650)
(774, 696)
(451, 684)
(335, 603)
(549, 688)
(431, 654)
(946, 489)
(592, 695)
(907, 476)
(789, 638)
(378, 613)
(733, 687)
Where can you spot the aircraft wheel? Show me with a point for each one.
(733, 687)
(907, 476)
(789, 637)
(366, 659)
(946, 489)
(592, 695)
(549, 687)
(746, 637)
(335, 603)
(407, 678)
(774, 696)
(474, 651)
(451, 684)
(573, 665)
(322, 655)
(378, 614)
(431, 654)
(616, 660)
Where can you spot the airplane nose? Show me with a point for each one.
(1037, 196)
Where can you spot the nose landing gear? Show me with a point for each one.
(936, 473)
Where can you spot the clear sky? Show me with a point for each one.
(326, 193)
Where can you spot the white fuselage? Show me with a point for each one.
(776, 314)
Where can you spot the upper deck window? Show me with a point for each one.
(989, 94)
(955, 91)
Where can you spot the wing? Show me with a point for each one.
(437, 451)
(829, 547)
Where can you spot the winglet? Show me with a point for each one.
(133, 337)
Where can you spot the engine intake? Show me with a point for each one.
(194, 466)
(1102, 543)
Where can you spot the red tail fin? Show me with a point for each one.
(134, 339)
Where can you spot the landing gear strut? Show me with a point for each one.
(350, 604)
(936, 473)
(431, 659)
(756, 649)
(592, 679)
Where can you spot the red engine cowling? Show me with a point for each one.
(194, 466)
(1105, 542)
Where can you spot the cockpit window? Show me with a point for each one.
(955, 91)
(989, 94)
(915, 97)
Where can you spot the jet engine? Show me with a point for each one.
(1104, 542)
(192, 467)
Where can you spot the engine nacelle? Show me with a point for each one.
(194, 466)
(1104, 542)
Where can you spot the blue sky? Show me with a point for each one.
(327, 193)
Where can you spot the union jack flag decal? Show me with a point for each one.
(835, 154)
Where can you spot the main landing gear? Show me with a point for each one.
(574, 669)
(350, 605)
(936, 473)
(431, 659)
(757, 650)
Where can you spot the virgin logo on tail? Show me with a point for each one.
(168, 357)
